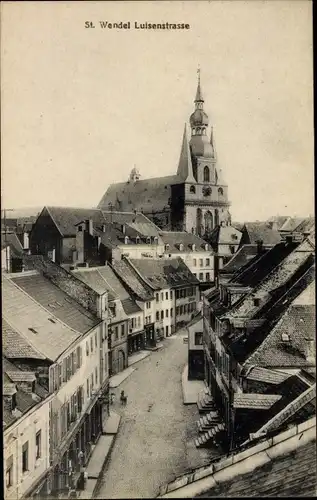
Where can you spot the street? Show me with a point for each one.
(155, 442)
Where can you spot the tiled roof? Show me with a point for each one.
(144, 228)
(58, 303)
(29, 318)
(14, 345)
(279, 220)
(134, 219)
(255, 401)
(175, 238)
(9, 389)
(66, 218)
(265, 375)
(130, 306)
(93, 278)
(127, 273)
(298, 323)
(242, 257)
(275, 279)
(20, 376)
(113, 282)
(256, 231)
(307, 225)
(147, 195)
(164, 273)
(292, 223)
(292, 474)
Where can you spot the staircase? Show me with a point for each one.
(208, 421)
(206, 404)
(205, 438)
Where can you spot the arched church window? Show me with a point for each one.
(220, 191)
(209, 223)
(198, 131)
(203, 131)
(199, 220)
(192, 189)
(193, 131)
(206, 174)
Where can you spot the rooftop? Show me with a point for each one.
(164, 273)
(56, 302)
(242, 257)
(127, 273)
(39, 327)
(14, 345)
(175, 238)
(255, 231)
(284, 465)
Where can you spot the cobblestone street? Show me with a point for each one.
(155, 439)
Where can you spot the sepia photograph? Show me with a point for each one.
(158, 249)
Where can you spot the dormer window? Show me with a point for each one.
(137, 240)
(192, 189)
(286, 338)
(148, 240)
(206, 247)
(256, 302)
(193, 247)
(156, 240)
(167, 247)
(181, 247)
(126, 240)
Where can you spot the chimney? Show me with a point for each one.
(310, 351)
(259, 246)
(78, 254)
(9, 397)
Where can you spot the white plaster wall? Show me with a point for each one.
(164, 304)
(25, 429)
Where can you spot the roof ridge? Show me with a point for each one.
(116, 296)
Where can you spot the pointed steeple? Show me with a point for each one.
(199, 94)
(185, 167)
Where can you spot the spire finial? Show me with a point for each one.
(199, 97)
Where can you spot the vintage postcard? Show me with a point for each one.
(158, 249)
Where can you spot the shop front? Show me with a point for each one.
(150, 338)
(136, 342)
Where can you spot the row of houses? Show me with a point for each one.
(254, 344)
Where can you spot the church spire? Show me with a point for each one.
(185, 168)
(199, 95)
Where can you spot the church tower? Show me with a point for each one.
(206, 194)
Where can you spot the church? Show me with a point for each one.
(195, 199)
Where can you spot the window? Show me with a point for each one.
(194, 274)
(166, 330)
(201, 276)
(171, 294)
(171, 312)
(9, 472)
(220, 191)
(139, 321)
(96, 376)
(91, 345)
(177, 310)
(181, 310)
(87, 388)
(231, 247)
(207, 276)
(166, 295)
(201, 262)
(198, 338)
(122, 330)
(25, 457)
(166, 313)
(162, 296)
(206, 174)
(162, 314)
(96, 340)
(194, 262)
(256, 302)
(38, 445)
(157, 315)
(207, 262)
(157, 297)
(192, 189)
(116, 332)
(148, 305)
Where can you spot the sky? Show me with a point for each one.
(82, 107)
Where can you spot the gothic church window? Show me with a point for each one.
(206, 174)
(199, 219)
(192, 189)
(220, 191)
(208, 222)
